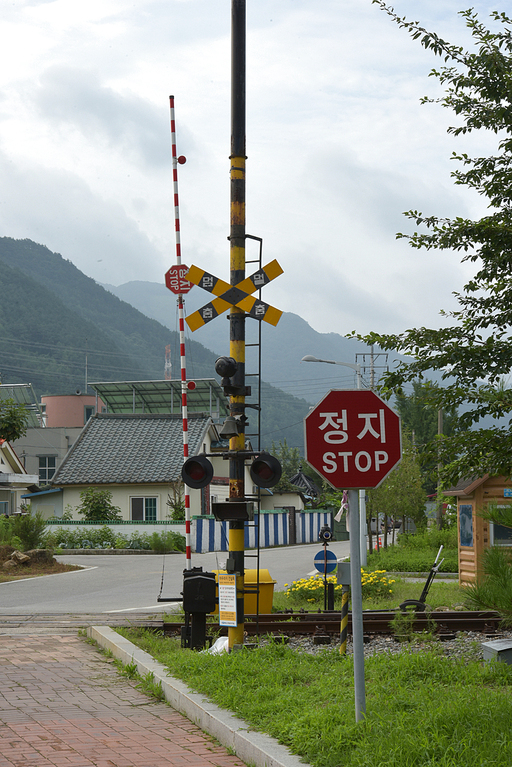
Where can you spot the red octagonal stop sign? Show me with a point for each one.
(352, 439)
(175, 279)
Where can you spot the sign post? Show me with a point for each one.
(352, 439)
(357, 605)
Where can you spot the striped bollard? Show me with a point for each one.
(344, 620)
(343, 577)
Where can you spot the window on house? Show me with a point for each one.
(47, 466)
(143, 509)
(500, 535)
(89, 411)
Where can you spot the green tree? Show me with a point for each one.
(421, 419)
(291, 461)
(96, 504)
(13, 420)
(29, 528)
(176, 501)
(474, 353)
(401, 494)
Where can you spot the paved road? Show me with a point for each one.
(125, 583)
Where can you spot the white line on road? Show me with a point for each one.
(132, 609)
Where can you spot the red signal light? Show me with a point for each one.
(197, 471)
(266, 470)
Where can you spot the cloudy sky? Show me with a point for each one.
(338, 146)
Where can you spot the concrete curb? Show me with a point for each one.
(252, 747)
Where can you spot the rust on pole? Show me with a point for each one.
(237, 316)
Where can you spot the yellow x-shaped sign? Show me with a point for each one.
(234, 295)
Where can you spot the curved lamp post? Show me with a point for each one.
(362, 494)
(356, 366)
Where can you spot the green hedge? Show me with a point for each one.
(105, 538)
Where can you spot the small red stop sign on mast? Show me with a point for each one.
(175, 279)
(353, 439)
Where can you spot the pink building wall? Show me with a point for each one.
(69, 409)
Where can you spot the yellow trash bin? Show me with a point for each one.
(266, 587)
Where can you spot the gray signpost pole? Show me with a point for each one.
(357, 605)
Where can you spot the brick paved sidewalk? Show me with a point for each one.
(63, 705)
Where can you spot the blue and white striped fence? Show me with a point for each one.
(210, 535)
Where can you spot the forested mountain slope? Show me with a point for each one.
(55, 322)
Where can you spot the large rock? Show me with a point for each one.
(20, 558)
(44, 556)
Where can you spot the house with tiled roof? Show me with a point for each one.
(137, 457)
(14, 480)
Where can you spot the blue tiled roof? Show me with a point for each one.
(127, 449)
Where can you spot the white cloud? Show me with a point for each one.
(338, 146)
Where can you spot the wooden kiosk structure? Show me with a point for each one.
(474, 533)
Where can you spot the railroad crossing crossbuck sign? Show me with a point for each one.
(229, 296)
(353, 439)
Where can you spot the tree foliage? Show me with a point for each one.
(474, 352)
(291, 462)
(13, 420)
(421, 419)
(96, 504)
(401, 494)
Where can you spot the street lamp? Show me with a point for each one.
(356, 366)
(362, 494)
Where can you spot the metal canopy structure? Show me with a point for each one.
(24, 394)
(162, 397)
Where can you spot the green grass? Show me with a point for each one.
(423, 709)
(408, 560)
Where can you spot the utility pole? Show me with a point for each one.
(439, 509)
(237, 316)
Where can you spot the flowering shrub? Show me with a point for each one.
(374, 585)
(311, 589)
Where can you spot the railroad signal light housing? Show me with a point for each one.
(266, 470)
(197, 471)
(225, 511)
(325, 534)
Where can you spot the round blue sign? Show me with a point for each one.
(325, 561)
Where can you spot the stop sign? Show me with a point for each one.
(175, 279)
(352, 439)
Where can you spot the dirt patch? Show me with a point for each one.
(41, 563)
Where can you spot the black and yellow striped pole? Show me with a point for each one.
(344, 620)
(344, 578)
(237, 315)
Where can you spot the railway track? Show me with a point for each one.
(442, 624)
(375, 622)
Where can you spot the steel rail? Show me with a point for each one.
(442, 624)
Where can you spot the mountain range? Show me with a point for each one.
(282, 347)
(60, 330)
